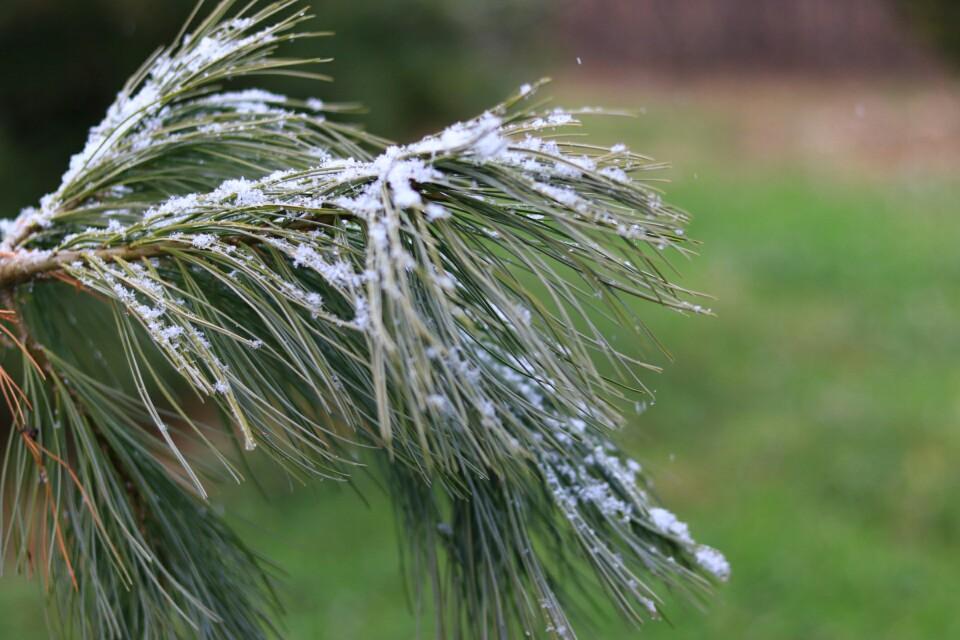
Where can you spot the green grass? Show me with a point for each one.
(809, 430)
(813, 421)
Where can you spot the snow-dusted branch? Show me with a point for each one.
(441, 309)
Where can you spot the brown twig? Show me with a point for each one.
(16, 399)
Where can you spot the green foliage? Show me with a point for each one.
(425, 309)
(432, 60)
(938, 23)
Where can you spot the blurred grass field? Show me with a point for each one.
(809, 430)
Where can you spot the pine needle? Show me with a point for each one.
(430, 307)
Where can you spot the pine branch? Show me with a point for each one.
(433, 305)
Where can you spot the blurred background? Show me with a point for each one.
(811, 430)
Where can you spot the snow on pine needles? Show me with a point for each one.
(332, 293)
